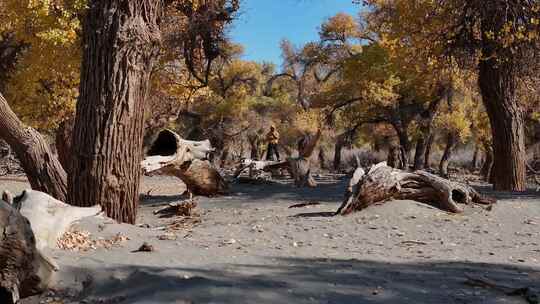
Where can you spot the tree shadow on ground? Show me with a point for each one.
(530, 194)
(305, 280)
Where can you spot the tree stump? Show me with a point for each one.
(382, 183)
(24, 271)
(187, 160)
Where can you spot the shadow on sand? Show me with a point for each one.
(301, 280)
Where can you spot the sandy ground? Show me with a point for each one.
(250, 247)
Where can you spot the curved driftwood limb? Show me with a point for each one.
(382, 183)
(187, 160)
(24, 271)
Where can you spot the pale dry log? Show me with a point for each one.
(49, 217)
(24, 271)
(298, 167)
(382, 183)
(187, 160)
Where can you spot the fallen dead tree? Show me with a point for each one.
(298, 167)
(187, 160)
(383, 183)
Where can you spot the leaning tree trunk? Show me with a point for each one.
(498, 85)
(382, 183)
(44, 171)
(121, 40)
(451, 141)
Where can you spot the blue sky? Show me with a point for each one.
(263, 23)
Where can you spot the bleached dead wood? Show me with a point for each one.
(49, 217)
(187, 160)
(298, 167)
(382, 183)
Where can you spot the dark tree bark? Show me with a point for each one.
(426, 123)
(498, 86)
(44, 171)
(451, 141)
(64, 142)
(475, 159)
(322, 159)
(427, 157)
(121, 40)
(488, 163)
(405, 146)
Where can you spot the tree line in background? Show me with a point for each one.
(407, 77)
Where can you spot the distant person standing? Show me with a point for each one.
(273, 139)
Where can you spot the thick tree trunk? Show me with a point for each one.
(429, 147)
(382, 183)
(498, 85)
(44, 171)
(405, 147)
(451, 141)
(121, 40)
(64, 142)
(420, 154)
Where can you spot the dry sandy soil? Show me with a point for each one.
(250, 247)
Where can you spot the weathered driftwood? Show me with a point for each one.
(49, 217)
(187, 160)
(24, 271)
(298, 167)
(382, 183)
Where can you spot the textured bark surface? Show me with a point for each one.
(451, 141)
(429, 149)
(121, 40)
(382, 183)
(44, 171)
(64, 142)
(19, 258)
(498, 85)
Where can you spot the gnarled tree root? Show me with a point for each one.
(382, 183)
